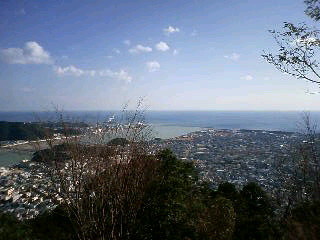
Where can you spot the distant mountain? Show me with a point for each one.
(12, 131)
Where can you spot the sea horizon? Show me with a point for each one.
(251, 120)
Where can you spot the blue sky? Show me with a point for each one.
(177, 55)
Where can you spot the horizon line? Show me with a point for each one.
(157, 110)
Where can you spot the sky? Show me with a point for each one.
(175, 55)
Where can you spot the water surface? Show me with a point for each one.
(8, 158)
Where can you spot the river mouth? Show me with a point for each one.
(11, 157)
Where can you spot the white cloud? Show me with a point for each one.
(71, 70)
(247, 77)
(175, 52)
(233, 56)
(116, 50)
(140, 49)
(31, 53)
(109, 56)
(121, 75)
(153, 66)
(162, 46)
(127, 42)
(171, 30)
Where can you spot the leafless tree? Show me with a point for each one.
(102, 183)
(308, 170)
(299, 46)
(299, 172)
(298, 52)
(313, 9)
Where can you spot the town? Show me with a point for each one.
(236, 156)
(26, 189)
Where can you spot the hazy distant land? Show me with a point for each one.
(170, 124)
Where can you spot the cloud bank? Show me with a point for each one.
(121, 75)
(31, 53)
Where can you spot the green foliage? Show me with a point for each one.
(57, 153)
(229, 191)
(168, 209)
(118, 142)
(255, 218)
(176, 205)
(12, 229)
(255, 200)
(254, 213)
(218, 220)
(52, 225)
(12, 131)
(22, 131)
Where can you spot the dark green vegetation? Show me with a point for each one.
(118, 141)
(57, 153)
(303, 222)
(11, 228)
(62, 152)
(176, 205)
(49, 225)
(12, 131)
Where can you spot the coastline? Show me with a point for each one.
(24, 150)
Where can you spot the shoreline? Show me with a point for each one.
(29, 147)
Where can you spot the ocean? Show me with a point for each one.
(262, 120)
(168, 124)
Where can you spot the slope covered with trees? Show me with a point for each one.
(175, 204)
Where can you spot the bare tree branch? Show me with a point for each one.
(298, 52)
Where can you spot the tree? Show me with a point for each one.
(12, 229)
(177, 205)
(228, 190)
(313, 9)
(51, 225)
(298, 56)
(102, 185)
(255, 218)
(299, 171)
(218, 220)
(306, 178)
(303, 222)
(168, 210)
(299, 47)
